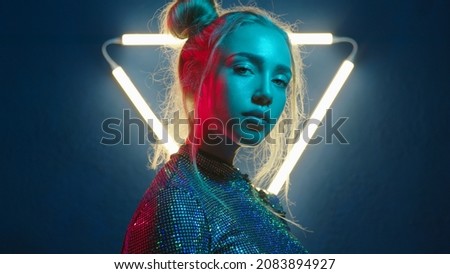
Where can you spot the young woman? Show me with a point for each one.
(238, 80)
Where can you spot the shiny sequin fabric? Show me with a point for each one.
(219, 213)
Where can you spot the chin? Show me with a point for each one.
(251, 140)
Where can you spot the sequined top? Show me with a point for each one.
(221, 213)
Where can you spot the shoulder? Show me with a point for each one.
(174, 188)
(272, 201)
(176, 173)
(170, 216)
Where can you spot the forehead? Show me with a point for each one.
(263, 41)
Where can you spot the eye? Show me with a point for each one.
(280, 82)
(242, 70)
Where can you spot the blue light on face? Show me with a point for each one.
(250, 79)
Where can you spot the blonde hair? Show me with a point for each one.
(205, 25)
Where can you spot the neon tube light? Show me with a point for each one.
(150, 40)
(311, 127)
(311, 38)
(143, 109)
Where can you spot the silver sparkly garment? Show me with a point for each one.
(222, 213)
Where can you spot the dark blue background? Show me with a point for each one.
(385, 192)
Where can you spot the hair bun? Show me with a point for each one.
(186, 18)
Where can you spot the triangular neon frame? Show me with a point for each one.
(296, 38)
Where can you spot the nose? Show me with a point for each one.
(263, 95)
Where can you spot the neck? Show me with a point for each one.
(221, 148)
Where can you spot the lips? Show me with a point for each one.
(255, 120)
(257, 116)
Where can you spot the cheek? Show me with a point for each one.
(279, 105)
(233, 104)
(219, 97)
(229, 97)
(238, 94)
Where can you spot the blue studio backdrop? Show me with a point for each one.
(386, 191)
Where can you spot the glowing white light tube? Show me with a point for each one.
(145, 111)
(311, 38)
(166, 39)
(150, 40)
(311, 127)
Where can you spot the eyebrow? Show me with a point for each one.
(258, 59)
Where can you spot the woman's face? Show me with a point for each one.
(246, 88)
